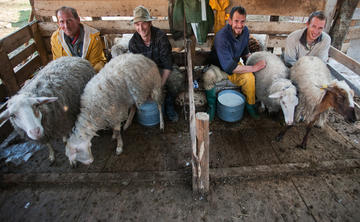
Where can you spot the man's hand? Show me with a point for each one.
(259, 65)
(165, 75)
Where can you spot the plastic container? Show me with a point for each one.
(148, 114)
(230, 105)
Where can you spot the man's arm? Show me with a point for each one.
(244, 69)
(165, 76)
(96, 54)
(290, 56)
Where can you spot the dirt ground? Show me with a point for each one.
(253, 177)
(14, 14)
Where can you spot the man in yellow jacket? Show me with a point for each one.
(75, 39)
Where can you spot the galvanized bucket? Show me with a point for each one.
(148, 114)
(230, 105)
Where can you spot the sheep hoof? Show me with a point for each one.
(73, 164)
(52, 160)
(278, 138)
(119, 150)
(301, 146)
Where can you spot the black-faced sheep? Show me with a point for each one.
(318, 93)
(126, 80)
(273, 88)
(46, 107)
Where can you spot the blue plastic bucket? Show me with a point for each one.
(148, 114)
(230, 105)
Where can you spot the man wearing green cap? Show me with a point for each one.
(154, 44)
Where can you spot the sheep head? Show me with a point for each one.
(24, 113)
(341, 98)
(288, 101)
(79, 149)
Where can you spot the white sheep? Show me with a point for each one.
(126, 80)
(121, 45)
(46, 107)
(317, 93)
(273, 88)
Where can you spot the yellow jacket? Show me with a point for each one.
(93, 49)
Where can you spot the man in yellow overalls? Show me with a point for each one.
(231, 44)
(75, 39)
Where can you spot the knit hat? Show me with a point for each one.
(141, 14)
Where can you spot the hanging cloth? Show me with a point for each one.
(198, 15)
(220, 15)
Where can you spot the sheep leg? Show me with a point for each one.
(119, 147)
(130, 117)
(161, 118)
(308, 129)
(51, 153)
(279, 137)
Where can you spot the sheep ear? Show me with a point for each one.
(275, 95)
(43, 100)
(4, 116)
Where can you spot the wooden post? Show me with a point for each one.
(7, 73)
(39, 42)
(201, 176)
(345, 10)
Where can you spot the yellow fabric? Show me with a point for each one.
(220, 15)
(247, 83)
(94, 53)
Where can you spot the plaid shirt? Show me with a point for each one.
(159, 49)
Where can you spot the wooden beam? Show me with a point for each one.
(16, 39)
(40, 44)
(98, 8)
(202, 153)
(28, 69)
(7, 74)
(300, 8)
(344, 59)
(276, 41)
(104, 26)
(329, 12)
(20, 56)
(273, 28)
(353, 33)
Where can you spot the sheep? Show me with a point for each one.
(121, 45)
(46, 107)
(318, 93)
(127, 80)
(273, 88)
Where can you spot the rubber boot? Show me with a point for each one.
(211, 100)
(251, 110)
(170, 109)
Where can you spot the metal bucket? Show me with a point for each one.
(148, 114)
(230, 105)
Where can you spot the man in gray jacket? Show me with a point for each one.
(311, 41)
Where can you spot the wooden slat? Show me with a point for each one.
(96, 8)
(198, 60)
(3, 93)
(23, 54)
(273, 28)
(15, 39)
(300, 8)
(7, 74)
(276, 41)
(104, 26)
(28, 69)
(121, 27)
(345, 60)
(353, 33)
(39, 43)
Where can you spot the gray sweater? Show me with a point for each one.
(296, 47)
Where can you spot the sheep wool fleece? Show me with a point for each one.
(246, 80)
